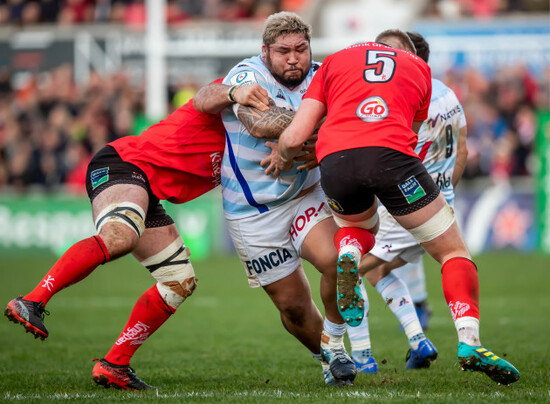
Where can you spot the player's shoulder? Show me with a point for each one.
(441, 90)
(247, 71)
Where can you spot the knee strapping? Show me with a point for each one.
(435, 226)
(127, 213)
(173, 270)
(366, 224)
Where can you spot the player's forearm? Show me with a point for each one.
(301, 128)
(459, 168)
(461, 157)
(289, 144)
(212, 98)
(267, 124)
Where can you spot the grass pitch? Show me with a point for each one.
(226, 343)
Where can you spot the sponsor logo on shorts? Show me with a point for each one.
(302, 220)
(387, 247)
(99, 176)
(335, 205)
(268, 261)
(138, 176)
(412, 190)
(373, 109)
(245, 77)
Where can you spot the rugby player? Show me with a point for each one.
(375, 97)
(275, 222)
(177, 160)
(442, 149)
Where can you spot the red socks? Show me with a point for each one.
(149, 313)
(76, 264)
(355, 236)
(461, 287)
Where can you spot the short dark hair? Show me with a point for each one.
(421, 45)
(401, 36)
(284, 23)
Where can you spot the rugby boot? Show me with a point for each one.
(340, 364)
(364, 363)
(421, 357)
(121, 377)
(330, 380)
(349, 299)
(29, 314)
(480, 359)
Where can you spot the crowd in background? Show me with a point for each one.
(132, 12)
(50, 128)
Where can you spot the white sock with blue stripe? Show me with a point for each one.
(413, 275)
(397, 298)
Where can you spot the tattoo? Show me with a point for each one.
(265, 125)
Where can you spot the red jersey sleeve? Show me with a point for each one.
(422, 113)
(316, 89)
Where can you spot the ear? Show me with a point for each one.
(264, 51)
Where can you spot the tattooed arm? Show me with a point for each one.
(268, 124)
(214, 97)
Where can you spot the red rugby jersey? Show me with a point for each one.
(181, 155)
(372, 93)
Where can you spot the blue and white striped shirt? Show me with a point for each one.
(246, 189)
(438, 137)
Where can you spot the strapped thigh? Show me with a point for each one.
(435, 226)
(127, 213)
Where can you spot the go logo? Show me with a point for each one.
(372, 109)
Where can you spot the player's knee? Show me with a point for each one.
(173, 270)
(118, 240)
(325, 262)
(371, 224)
(295, 313)
(120, 226)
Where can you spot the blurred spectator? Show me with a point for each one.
(50, 128)
(131, 12)
(501, 116)
(483, 9)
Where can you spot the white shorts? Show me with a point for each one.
(393, 241)
(269, 244)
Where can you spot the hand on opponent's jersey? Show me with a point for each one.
(307, 154)
(275, 164)
(252, 95)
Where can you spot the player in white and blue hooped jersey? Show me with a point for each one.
(275, 221)
(247, 190)
(438, 139)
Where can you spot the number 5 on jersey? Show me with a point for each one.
(380, 66)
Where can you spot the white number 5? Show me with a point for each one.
(380, 66)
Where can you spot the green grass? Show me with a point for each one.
(226, 343)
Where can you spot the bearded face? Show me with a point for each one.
(288, 59)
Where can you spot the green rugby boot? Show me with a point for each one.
(480, 359)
